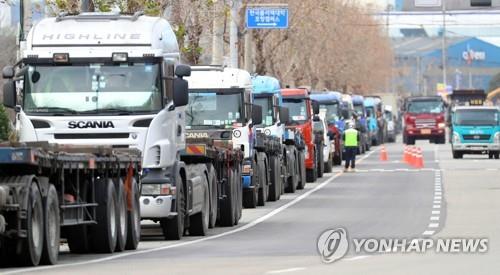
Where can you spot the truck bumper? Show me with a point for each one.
(156, 207)
(476, 147)
(419, 134)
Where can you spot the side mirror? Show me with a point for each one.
(9, 94)
(182, 70)
(181, 96)
(8, 72)
(315, 106)
(284, 115)
(256, 114)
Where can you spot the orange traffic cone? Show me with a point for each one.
(413, 156)
(383, 154)
(406, 157)
(419, 162)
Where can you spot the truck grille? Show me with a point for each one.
(91, 136)
(425, 123)
(476, 137)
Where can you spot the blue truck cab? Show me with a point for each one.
(476, 130)
(266, 93)
(330, 103)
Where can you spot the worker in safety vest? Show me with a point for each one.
(351, 142)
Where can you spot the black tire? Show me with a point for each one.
(173, 228)
(275, 188)
(121, 216)
(236, 198)
(301, 183)
(103, 235)
(320, 165)
(227, 210)
(264, 186)
(410, 141)
(329, 164)
(214, 201)
(457, 154)
(337, 158)
(134, 218)
(496, 155)
(311, 176)
(198, 223)
(52, 229)
(32, 245)
(238, 186)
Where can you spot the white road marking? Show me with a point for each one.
(170, 246)
(436, 206)
(435, 218)
(433, 225)
(437, 201)
(436, 212)
(293, 269)
(438, 193)
(358, 258)
(437, 197)
(428, 233)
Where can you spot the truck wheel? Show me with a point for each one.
(32, 245)
(302, 170)
(410, 141)
(275, 188)
(173, 229)
(214, 201)
(236, 197)
(496, 155)
(198, 224)
(329, 164)
(311, 174)
(52, 229)
(121, 216)
(104, 234)
(264, 187)
(239, 188)
(457, 154)
(134, 218)
(227, 204)
(320, 164)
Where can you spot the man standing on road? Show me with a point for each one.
(351, 141)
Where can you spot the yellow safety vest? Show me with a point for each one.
(351, 138)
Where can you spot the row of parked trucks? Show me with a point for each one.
(109, 129)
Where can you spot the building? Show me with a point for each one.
(471, 63)
(434, 5)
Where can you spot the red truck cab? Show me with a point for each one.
(424, 118)
(300, 108)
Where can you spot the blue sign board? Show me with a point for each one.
(265, 17)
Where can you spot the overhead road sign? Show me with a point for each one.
(267, 17)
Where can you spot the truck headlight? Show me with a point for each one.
(496, 138)
(306, 152)
(441, 125)
(456, 138)
(158, 189)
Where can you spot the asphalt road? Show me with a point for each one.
(447, 198)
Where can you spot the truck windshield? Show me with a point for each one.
(428, 106)
(297, 110)
(92, 88)
(267, 109)
(215, 108)
(358, 108)
(476, 117)
(331, 111)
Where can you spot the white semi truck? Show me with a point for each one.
(220, 102)
(101, 88)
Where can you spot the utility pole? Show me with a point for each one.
(233, 34)
(443, 42)
(248, 51)
(218, 34)
(85, 6)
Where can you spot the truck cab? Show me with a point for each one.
(424, 118)
(330, 103)
(476, 130)
(391, 123)
(221, 101)
(371, 117)
(301, 111)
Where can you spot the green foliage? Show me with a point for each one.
(4, 124)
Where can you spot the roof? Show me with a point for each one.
(418, 46)
(357, 99)
(294, 92)
(477, 108)
(265, 84)
(327, 97)
(210, 77)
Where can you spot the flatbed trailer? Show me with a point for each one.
(88, 195)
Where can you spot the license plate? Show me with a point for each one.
(425, 131)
